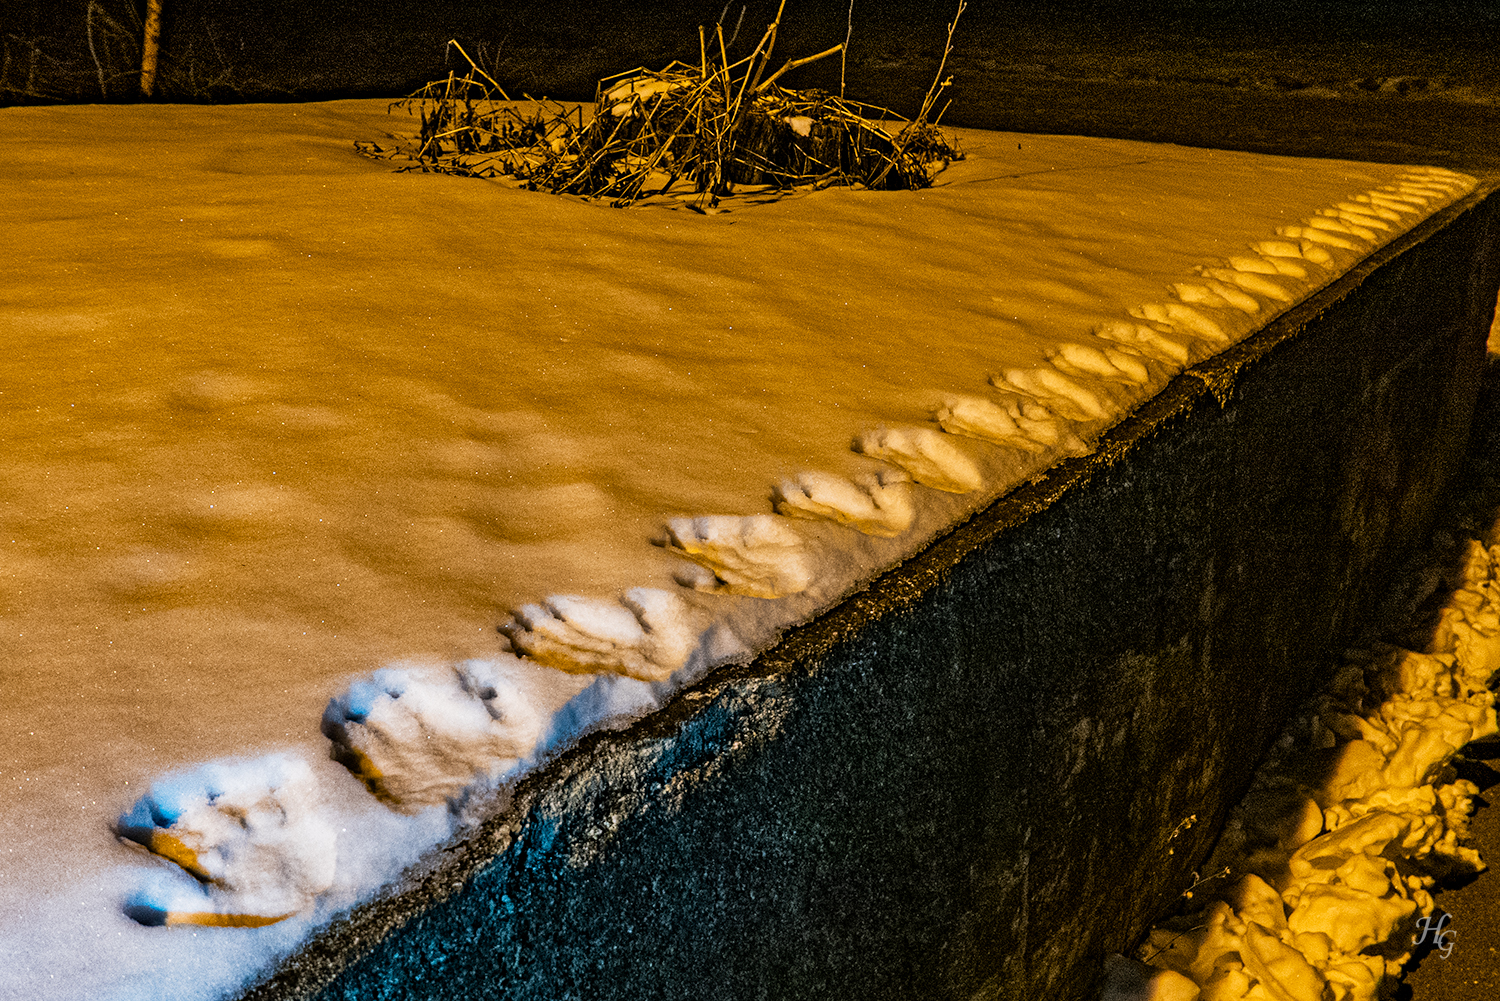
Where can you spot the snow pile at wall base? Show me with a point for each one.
(1349, 825)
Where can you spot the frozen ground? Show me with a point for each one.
(282, 417)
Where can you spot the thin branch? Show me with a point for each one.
(792, 64)
(150, 47)
(938, 87)
(89, 24)
(767, 43)
(476, 67)
(737, 24)
(844, 59)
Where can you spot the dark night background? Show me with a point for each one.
(1380, 79)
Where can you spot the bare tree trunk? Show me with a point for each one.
(150, 47)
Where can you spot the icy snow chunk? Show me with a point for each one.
(417, 736)
(1369, 834)
(873, 504)
(647, 634)
(248, 830)
(1351, 918)
(929, 456)
(1407, 746)
(1058, 392)
(758, 554)
(1478, 652)
(1280, 968)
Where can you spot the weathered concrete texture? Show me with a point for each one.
(965, 781)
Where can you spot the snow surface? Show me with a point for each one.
(280, 418)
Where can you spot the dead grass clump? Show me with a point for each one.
(701, 128)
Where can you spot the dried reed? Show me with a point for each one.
(707, 127)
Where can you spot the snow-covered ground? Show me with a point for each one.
(276, 418)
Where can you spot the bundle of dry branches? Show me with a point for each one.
(706, 127)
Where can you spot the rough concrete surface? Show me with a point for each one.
(963, 781)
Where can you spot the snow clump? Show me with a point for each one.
(930, 458)
(418, 736)
(1338, 877)
(877, 504)
(758, 554)
(1028, 425)
(648, 634)
(248, 831)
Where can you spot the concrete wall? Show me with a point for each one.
(964, 782)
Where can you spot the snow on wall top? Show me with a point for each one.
(280, 417)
